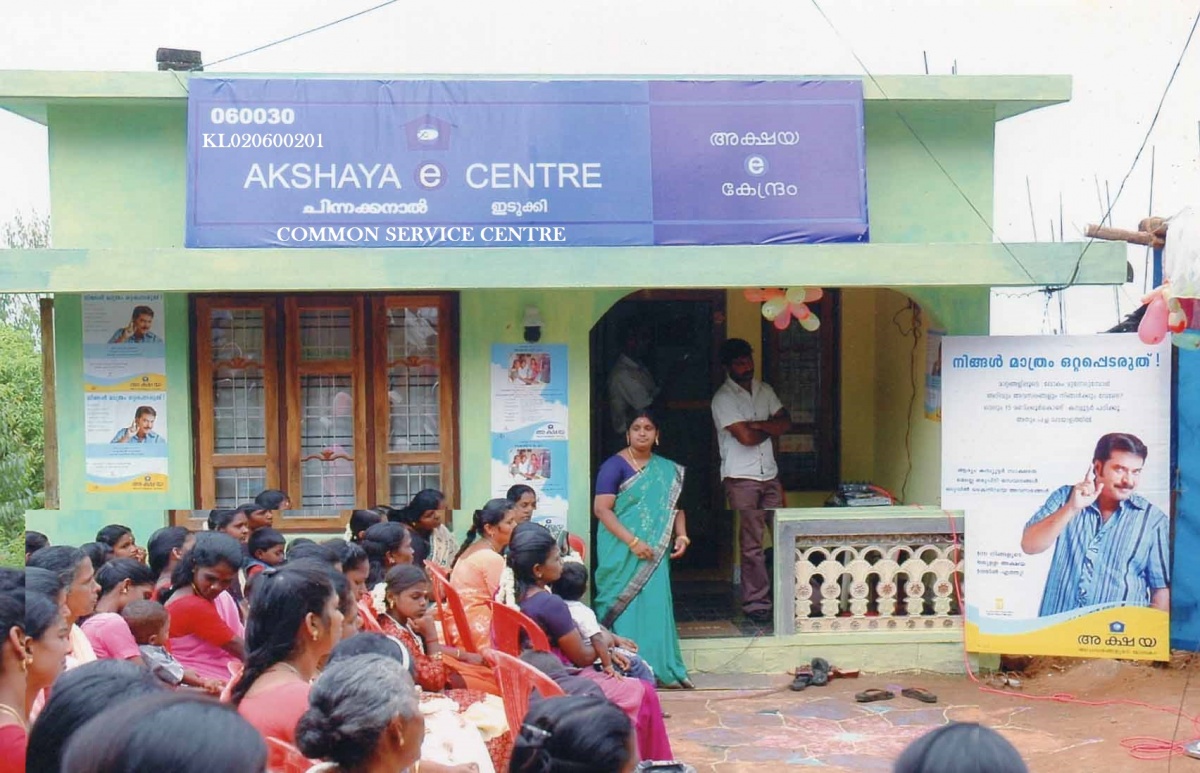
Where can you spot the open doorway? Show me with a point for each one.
(682, 332)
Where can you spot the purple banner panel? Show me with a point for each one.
(355, 163)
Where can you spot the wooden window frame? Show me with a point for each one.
(827, 428)
(282, 370)
(447, 455)
(202, 377)
(296, 368)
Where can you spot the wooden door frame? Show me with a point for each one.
(718, 298)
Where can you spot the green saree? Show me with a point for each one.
(633, 597)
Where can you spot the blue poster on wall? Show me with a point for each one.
(358, 163)
(529, 425)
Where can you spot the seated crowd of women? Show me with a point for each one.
(235, 649)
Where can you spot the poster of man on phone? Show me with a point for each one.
(123, 342)
(1058, 450)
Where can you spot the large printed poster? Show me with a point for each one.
(125, 398)
(529, 425)
(1058, 450)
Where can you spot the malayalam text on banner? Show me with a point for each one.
(1058, 450)
(374, 163)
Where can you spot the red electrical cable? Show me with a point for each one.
(1140, 747)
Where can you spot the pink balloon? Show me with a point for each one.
(754, 294)
(813, 294)
(782, 321)
(1153, 327)
(799, 311)
(774, 292)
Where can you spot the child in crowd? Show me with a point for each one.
(264, 549)
(35, 541)
(151, 625)
(615, 653)
(404, 615)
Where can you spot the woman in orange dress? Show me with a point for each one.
(478, 566)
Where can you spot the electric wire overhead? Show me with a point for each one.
(1108, 215)
(318, 28)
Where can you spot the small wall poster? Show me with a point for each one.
(125, 392)
(933, 375)
(529, 425)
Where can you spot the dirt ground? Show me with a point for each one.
(1063, 716)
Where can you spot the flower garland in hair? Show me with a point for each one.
(507, 595)
(348, 535)
(379, 599)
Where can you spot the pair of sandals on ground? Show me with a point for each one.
(819, 672)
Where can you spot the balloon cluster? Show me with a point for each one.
(1168, 313)
(1174, 306)
(780, 306)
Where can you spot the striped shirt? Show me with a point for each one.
(1118, 561)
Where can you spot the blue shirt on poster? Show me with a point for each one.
(1120, 560)
(151, 437)
(122, 337)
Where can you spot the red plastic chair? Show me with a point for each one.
(444, 595)
(235, 673)
(517, 681)
(282, 757)
(507, 627)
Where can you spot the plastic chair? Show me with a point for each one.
(235, 673)
(444, 595)
(577, 546)
(507, 626)
(517, 681)
(282, 757)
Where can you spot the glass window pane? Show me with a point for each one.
(237, 485)
(239, 412)
(325, 334)
(413, 379)
(800, 373)
(327, 441)
(405, 480)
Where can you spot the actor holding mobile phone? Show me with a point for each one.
(1110, 544)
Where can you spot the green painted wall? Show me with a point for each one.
(494, 316)
(118, 181)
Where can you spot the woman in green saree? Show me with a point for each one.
(636, 492)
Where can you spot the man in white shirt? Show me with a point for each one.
(631, 386)
(748, 416)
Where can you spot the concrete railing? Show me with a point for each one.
(868, 569)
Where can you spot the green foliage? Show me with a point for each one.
(22, 447)
(20, 310)
(32, 233)
(21, 404)
(12, 548)
(18, 465)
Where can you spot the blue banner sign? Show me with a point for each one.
(354, 163)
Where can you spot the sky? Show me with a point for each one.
(1120, 55)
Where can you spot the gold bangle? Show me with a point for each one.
(683, 537)
(633, 542)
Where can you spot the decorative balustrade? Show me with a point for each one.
(859, 572)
